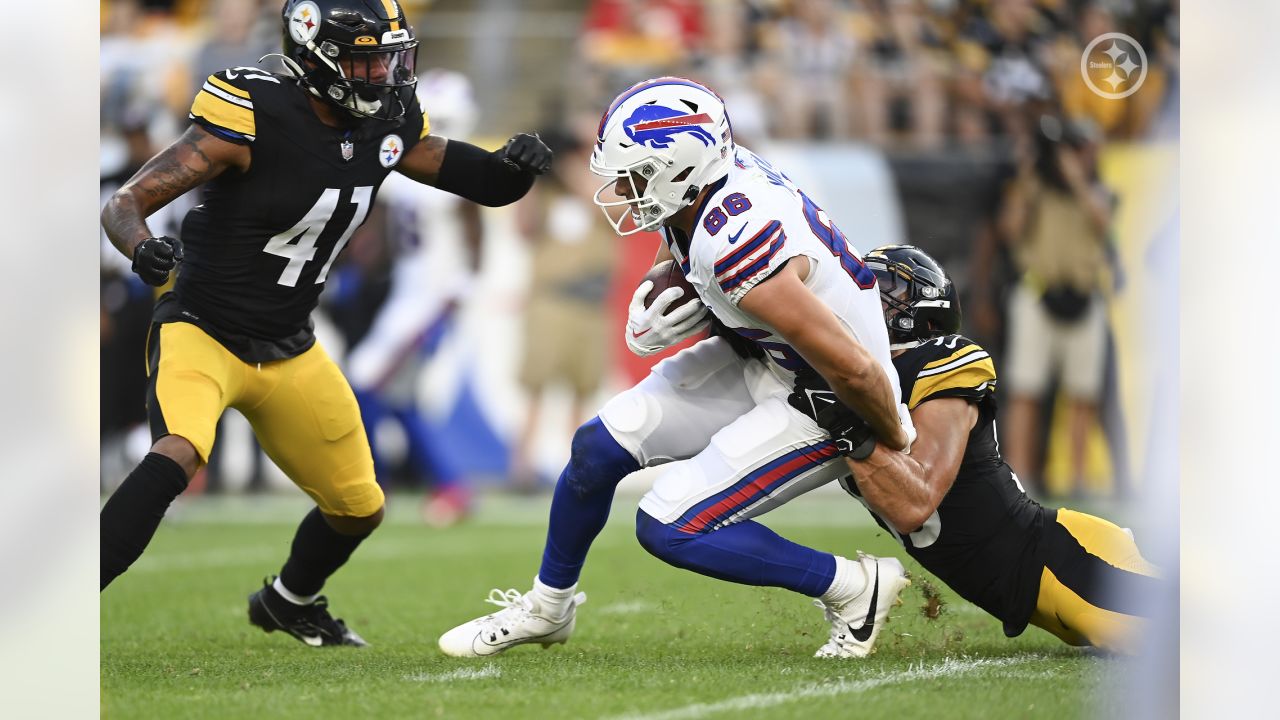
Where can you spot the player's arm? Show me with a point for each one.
(192, 160)
(492, 179)
(784, 302)
(906, 489)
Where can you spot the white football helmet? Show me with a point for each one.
(671, 133)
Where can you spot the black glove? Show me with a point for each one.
(154, 257)
(852, 435)
(527, 152)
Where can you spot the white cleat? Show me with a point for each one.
(517, 623)
(856, 625)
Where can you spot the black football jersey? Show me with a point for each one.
(982, 541)
(261, 244)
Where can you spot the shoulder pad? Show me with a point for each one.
(224, 105)
(745, 251)
(949, 366)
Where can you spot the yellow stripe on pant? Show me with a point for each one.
(302, 411)
(1096, 559)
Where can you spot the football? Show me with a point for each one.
(664, 275)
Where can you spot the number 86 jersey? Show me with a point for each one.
(260, 245)
(749, 226)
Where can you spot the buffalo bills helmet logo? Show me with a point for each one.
(654, 125)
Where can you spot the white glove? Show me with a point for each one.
(649, 331)
(908, 427)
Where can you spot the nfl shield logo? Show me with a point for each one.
(348, 150)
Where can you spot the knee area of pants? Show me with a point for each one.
(596, 460)
(660, 540)
(181, 451)
(353, 525)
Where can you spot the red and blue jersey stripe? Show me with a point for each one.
(755, 486)
(754, 256)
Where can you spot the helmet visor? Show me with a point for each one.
(383, 69)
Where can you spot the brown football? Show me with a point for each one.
(664, 275)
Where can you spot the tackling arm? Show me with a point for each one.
(786, 304)
(492, 179)
(906, 489)
(192, 160)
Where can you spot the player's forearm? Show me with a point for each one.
(124, 221)
(863, 386)
(480, 176)
(896, 486)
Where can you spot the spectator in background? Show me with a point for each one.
(900, 83)
(811, 52)
(625, 41)
(1057, 215)
(1002, 59)
(567, 333)
(241, 32)
(729, 66)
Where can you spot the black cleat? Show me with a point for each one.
(312, 624)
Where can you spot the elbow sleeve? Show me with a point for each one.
(482, 177)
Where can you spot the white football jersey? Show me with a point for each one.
(750, 225)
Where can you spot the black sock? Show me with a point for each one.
(318, 551)
(133, 513)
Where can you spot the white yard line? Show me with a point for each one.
(482, 673)
(949, 668)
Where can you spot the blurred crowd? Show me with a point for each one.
(978, 107)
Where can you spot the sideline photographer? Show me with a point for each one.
(1056, 217)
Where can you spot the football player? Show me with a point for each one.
(290, 164)
(953, 502)
(796, 308)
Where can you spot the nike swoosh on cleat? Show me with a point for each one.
(863, 633)
(733, 237)
(312, 640)
(523, 640)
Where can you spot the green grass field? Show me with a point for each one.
(651, 642)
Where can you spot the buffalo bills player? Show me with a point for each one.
(795, 310)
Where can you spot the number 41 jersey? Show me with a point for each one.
(260, 245)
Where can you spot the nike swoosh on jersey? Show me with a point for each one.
(733, 237)
(863, 633)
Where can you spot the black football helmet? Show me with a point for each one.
(920, 301)
(356, 54)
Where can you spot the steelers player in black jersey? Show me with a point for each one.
(955, 505)
(290, 165)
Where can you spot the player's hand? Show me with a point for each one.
(649, 331)
(908, 427)
(154, 257)
(852, 435)
(527, 152)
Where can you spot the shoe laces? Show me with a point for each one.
(515, 606)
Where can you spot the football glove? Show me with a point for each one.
(526, 152)
(649, 331)
(852, 435)
(154, 257)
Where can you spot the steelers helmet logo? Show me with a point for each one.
(304, 23)
(391, 150)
